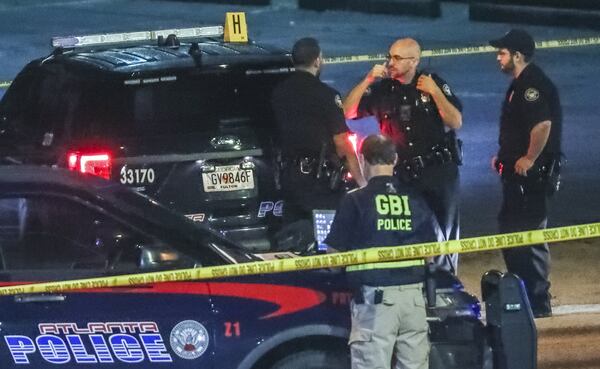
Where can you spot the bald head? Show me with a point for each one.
(408, 47)
(404, 57)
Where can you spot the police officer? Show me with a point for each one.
(528, 160)
(388, 307)
(313, 135)
(420, 113)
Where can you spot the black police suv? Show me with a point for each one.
(58, 225)
(179, 115)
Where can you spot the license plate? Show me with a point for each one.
(228, 178)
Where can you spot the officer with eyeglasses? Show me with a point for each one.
(420, 113)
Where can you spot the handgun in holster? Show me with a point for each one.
(454, 145)
(553, 178)
(336, 177)
(321, 165)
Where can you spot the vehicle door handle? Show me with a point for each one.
(40, 298)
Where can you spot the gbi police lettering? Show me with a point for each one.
(394, 213)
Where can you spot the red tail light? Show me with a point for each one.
(98, 163)
(353, 138)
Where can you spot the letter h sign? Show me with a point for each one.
(236, 29)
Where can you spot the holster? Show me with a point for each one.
(544, 175)
(376, 298)
(454, 145)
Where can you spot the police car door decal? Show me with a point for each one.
(109, 342)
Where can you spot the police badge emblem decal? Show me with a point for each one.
(338, 101)
(447, 90)
(189, 339)
(531, 94)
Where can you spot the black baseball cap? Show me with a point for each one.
(516, 40)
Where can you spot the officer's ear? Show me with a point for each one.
(318, 61)
(518, 55)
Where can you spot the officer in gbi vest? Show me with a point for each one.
(388, 307)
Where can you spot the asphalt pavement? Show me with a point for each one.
(28, 25)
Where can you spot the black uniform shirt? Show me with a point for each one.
(531, 98)
(407, 115)
(308, 113)
(384, 213)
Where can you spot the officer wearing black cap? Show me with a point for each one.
(420, 113)
(388, 307)
(528, 160)
(313, 135)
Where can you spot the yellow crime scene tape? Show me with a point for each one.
(373, 255)
(550, 44)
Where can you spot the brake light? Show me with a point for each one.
(98, 164)
(353, 138)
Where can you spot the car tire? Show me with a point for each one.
(314, 359)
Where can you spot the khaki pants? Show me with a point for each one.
(396, 328)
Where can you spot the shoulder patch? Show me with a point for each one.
(447, 89)
(338, 101)
(532, 94)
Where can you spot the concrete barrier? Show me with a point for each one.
(236, 2)
(561, 4)
(537, 15)
(422, 8)
(321, 5)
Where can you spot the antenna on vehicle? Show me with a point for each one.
(195, 52)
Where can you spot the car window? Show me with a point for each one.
(192, 238)
(45, 233)
(194, 104)
(40, 104)
(19, 104)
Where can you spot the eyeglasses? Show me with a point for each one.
(398, 58)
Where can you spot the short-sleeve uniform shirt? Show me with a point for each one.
(531, 98)
(406, 115)
(384, 213)
(308, 114)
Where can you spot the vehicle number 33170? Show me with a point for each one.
(137, 176)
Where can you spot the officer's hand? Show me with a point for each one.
(523, 165)
(378, 71)
(426, 84)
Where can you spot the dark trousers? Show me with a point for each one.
(439, 184)
(303, 193)
(526, 209)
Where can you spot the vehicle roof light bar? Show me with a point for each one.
(68, 42)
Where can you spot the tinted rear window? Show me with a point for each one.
(186, 104)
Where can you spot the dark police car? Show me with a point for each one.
(57, 225)
(179, 115)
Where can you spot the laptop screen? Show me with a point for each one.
(322, 220)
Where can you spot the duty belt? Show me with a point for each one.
(413, 167)
(543, 175)
(304, 164)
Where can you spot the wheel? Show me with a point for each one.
(314, 359)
